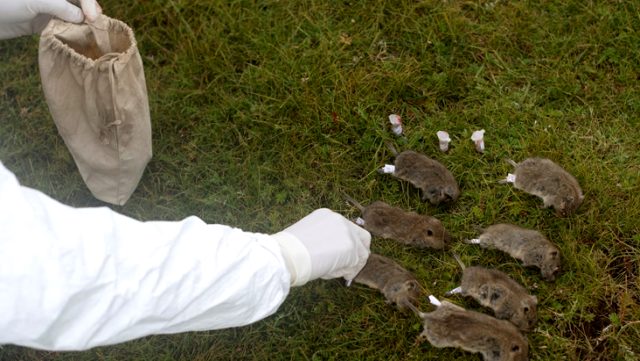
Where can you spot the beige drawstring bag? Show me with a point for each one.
(94, 84)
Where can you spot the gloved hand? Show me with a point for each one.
(325, 245)
(26, 17)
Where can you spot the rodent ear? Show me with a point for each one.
(432, 191)
(515, 348)
(449, 192)
(411, 285)
(562, 207)
(429, 232)
(553, 254)
(422, 337)
(395, 288)
(431, 195)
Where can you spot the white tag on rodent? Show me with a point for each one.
(511, 178)
(360, 221)
(388, 169)
(434, 301)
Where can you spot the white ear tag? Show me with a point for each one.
(388, 169)
(434, 301)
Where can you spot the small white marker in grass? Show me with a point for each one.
(474, 241)
(478, 138)
(388, 169)
(455, 291)
(396, 124)
(444, 139)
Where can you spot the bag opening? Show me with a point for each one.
(94, 43)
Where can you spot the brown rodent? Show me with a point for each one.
(410, 228)
(547, 180)
(434, 180)
(527, 245)
(397, 284)
(453, 326)
(496, 290)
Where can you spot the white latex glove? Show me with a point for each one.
(325, 245)
(26, 17)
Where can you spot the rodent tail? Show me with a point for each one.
(511, 161)
(393, 149)
(353, 201)
(459, 260)
(415, 309)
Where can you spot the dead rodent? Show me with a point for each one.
(527, 245)
(434, 180)
(410, 228)
(453, 326)
(397, 284)
(496, 290)
(547, 180)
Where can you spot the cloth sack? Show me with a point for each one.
(94, 85)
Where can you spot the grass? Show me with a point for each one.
(265, 110)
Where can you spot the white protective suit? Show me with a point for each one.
(60, 291)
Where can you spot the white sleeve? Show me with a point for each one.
(75, 278)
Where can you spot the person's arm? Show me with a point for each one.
(75, 278)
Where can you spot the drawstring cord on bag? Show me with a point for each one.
(117, 121)
(109, 60)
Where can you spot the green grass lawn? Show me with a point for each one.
(263, 111)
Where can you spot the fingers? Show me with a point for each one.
(351, 245)
(359, 255)
(91, 9)
(27, 17)
(59, 8)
